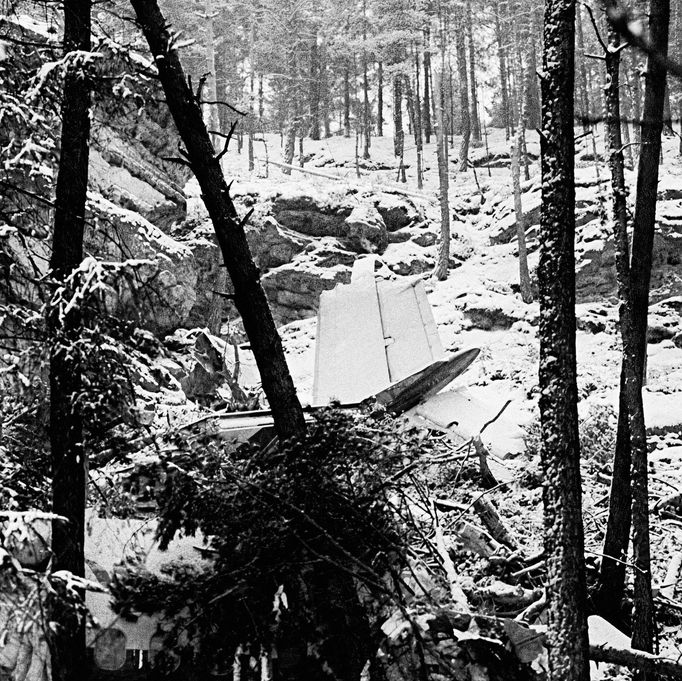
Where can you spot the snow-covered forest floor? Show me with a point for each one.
(479, 305)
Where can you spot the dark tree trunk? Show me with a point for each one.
(612, 577)
(626, 109)
(583, 96)
(290, 144)
(346, 100)
(418, 125)
(249, 297)
(463, 96)
(443, 264)
(426, 115)
(642, 249)
(532, 103)
(524, 274)
(475, 122)
(366, 113)
(678, 51)
(502, 59)
(410, 103)
(315, 82)
(380, 99)
(325, 95)
(66, 420)
(635, 86)
(560, 452)
(399, 134)
(629, 445)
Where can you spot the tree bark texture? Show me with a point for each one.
(315, 87)
(560, 451)
(502, 61)
(418, 125)
(583, 96)
(642, 249)
(524, 275)
(443, 264)
(612, 574)
(69, 468)
(380, 99)
(463, 95)
(426, 115)
(346, 100)
(475, 121)
(399, 135)
(249, 297)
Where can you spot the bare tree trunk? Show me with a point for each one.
(626, 108)
(418, 124)
(611, 586)
(346, 100)
(629, 447)
(502, 59)
(678, 32)
(399, 134)
(411, 110)
(325, 93)
(290, 144)
(380, 99)
(426, 116)
(475, 121)
(560, 451)
(249, 297)
(315, 86)
(443, 265)
(66, 420)
(635, 84)
(463, 95)
(583, 97)
(366, 114)
(524, 275)
(642, 249)
(522, 79)
(212, 119)
(532, 101)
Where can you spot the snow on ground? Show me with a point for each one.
(486, 283)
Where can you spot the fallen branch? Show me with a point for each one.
(636, 659)
(670, 500)
(458, 595)
(491, 519)
(487, 478)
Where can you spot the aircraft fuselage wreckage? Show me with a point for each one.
(376, 339)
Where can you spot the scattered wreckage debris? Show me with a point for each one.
(394, 356)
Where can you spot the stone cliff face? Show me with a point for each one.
(304, 237)
(595, 256)
(305, 240)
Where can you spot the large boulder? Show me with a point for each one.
(490, 310)
(311, 214)
(397, 212)
(365, 230)
(273, 245)
(595, 261)
(294, 289)
(158, 288)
